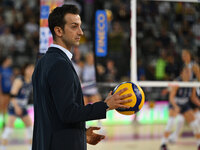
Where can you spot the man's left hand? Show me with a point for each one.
(93, 138)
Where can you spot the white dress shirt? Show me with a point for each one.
(67, 52)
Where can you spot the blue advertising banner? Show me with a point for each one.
(44, 12)
(101, 29)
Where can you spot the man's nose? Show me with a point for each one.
(80, 32)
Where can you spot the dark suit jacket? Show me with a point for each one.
(60, 114)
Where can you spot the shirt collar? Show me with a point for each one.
(67, 52)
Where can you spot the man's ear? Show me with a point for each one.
(58, 31)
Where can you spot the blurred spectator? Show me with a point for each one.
(115, 7)
(85, 44)
(2, 25)
(196, 32)
(7, 41)
(111, 71)
(31, 27)
(118, 48)
(123, 12)
(89, 86)
(9, 15)
(164, 38)
(185, 35)
(28, 13)
(20, 43)
(172, 68)
(164, 8)
(189, 13)
(88, 74)
(141, 70)
(100, 72)
(77, 62)
(160, 66)
(88, 11)
(17, 28)
(116, 40)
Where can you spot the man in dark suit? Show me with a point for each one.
(60, 113)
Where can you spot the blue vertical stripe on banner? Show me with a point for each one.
(101, 29)
(44, 12)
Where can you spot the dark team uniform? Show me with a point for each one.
(182, 99)
(22, 97)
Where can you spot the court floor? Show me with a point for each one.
(122, 137)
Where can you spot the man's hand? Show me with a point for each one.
(93, 138)
(117, 100)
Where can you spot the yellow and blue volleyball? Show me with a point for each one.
(138, 97)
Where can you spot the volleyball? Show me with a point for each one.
(138, 97)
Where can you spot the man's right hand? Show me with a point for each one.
(117, 100)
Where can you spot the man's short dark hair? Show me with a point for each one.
(56, 17)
